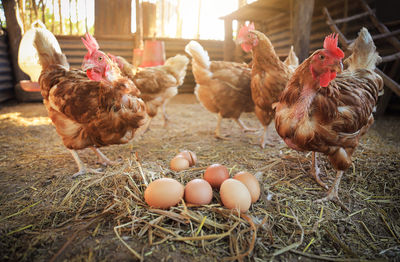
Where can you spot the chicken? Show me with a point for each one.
(157, 84)
(85, 113)
(320, 111)
(269, 74)
(222, 87)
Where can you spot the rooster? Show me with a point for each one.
(269, 74)
(157, 84)
(222, 87)
(85, 113)
(321, 111)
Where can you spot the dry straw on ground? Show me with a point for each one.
(47, 215)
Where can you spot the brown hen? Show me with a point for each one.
(157, 84)
(269, 74)
(321, 112)
(87, 113)
(222, 87)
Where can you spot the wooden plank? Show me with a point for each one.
(303, 10)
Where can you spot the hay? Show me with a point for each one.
(46, 215)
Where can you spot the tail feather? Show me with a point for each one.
(200, 61)
(364, 54)
(292, 59)
(48, 49)
(178, 65)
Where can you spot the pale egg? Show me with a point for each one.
(190, 156)
(198, 192)
(163, 193)
(251, 183)
(235, 195)
(216, 174)
(179, 163)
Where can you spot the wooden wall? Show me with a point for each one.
(123, 46)
(6, 73)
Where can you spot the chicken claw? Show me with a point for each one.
(315, 171)
(332, 194)
(81, 166)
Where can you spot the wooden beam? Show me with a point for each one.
(390, 58)
(303, 11)
(229, 45)
(139, 26)
(389, 82)
(343, 40)
(350, 18)
(381, 27)
(14, 37)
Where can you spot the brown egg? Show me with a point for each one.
(163, 193)
(198, 191)
(235, 195)
(179, 163)
(251, 183)
(190, 156)
(216, 174)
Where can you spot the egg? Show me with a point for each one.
(179, 163)
(235, 195)
(198, 191)
(163, 193)
(190, 156)
(251, 183)
(216, 174)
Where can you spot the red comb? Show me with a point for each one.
(330, 44)
(90, 43)
(245, 30)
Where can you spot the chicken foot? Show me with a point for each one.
(218, 128)
(102, 159)
(81, 166)
(315, 171)
(164, 113)
(243, 127)
(332, 194)
(265, 140)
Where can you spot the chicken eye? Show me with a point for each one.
(100, 58)
(322, 57)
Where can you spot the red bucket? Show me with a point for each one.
(153, 54)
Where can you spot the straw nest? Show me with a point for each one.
(47, 215)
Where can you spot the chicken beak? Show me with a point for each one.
(338, 66)
(86, 65)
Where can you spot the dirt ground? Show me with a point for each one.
(45, 215)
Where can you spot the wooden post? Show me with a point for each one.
(303, 10)
(139, 26)
(14, 37)
(229, 45)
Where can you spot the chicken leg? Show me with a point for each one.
(81, 166)
(315, 171)
(102, 159)
(218, 128)
(332, 194)
(265, 139)
(243, 127)
(164, 111)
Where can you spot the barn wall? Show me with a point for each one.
(123, 46)
(6, 73)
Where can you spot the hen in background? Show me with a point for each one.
(321, 112)
(269, 75)
(222, 87)
(85, 113)
(157, 84)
